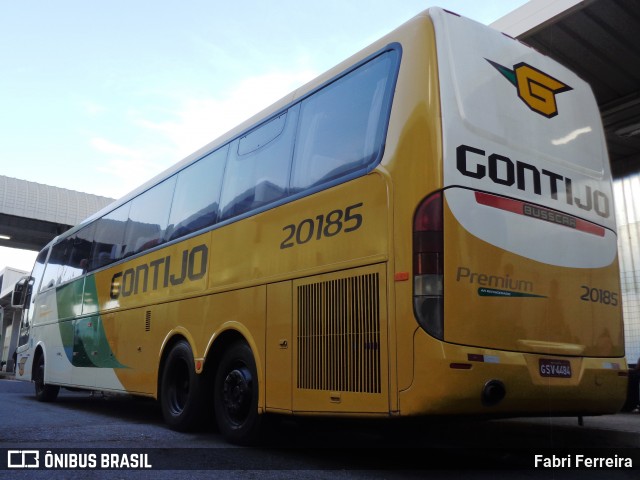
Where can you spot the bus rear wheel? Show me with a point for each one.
(44, 392)
(181, 392)
(236, 395)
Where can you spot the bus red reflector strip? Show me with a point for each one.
(475, 357)
(460, 366)
(540, 213)
(401, 276)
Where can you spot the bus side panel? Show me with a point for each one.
(335, 230)
(140, 305)
(413, 153)
(349, 229)
(166, 274)
(54, 337)
(135, 347)
(338, 228)
(138, 336)
(279, 347)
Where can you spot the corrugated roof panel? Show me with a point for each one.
(43, 202)
(32, 214)
(600, 41)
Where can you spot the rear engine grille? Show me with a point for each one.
(339, 335)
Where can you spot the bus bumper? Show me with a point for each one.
(461, 380)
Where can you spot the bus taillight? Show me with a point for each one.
(428, 265)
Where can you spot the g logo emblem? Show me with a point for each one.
(535, 88)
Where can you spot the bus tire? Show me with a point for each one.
(44, 392)
(181, 391)
(236, 396)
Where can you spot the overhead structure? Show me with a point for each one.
(32, 214)
(599, 40)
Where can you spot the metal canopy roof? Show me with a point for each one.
(32, 214)
(600, 41)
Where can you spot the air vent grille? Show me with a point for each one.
(339, 335)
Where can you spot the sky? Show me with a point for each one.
(99, 97)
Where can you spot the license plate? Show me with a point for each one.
(555, 368)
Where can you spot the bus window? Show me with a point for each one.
(195, 202)
(77, 254)
(341, 126)
(53, 268)
(258, 168)
(30, 296)
(148, 218)
(262, 136)
(109, 240)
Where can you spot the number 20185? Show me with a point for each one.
(329, 225)
(598, 295)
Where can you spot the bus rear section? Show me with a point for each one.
(516, 282)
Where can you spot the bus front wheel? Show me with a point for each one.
(236, 395)
(181, 392)
(44, 392)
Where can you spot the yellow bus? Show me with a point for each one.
(426, 229)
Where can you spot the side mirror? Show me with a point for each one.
(21, 292)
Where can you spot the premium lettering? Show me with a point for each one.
(475, 163)
(163, 272)
(493, 281)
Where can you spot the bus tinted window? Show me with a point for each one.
(37, 274)
(77, 254)
(340, 132)
(342, 125)
(30, 301)
(195, 203)
(54, 266)
(261, 136)
(148, 218)
(259, 176)
(109, 240)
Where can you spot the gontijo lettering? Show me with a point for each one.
(160, 273)
(474, 162)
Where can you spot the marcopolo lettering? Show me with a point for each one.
(161, 273)
(475, 163)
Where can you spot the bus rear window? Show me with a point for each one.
(342, 126)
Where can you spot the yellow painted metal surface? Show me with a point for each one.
(321, 289)
(548, 311)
